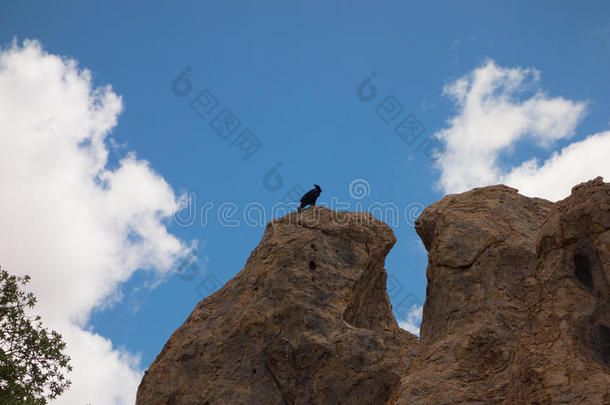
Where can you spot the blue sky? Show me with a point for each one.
(289, 73)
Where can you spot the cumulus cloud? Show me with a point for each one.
(412, 320)
(554, 178)
(498, 107)
(78, 227)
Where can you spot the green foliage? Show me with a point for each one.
(32, 359)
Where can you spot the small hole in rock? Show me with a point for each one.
(313, 246)
(582, 270)
(312, 265)
(253, 371)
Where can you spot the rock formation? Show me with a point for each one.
(307, 321)
(517, 311)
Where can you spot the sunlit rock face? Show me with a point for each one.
(517, 306)
(517, 311)
(307, 321)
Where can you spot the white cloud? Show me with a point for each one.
(76, 226)
(498, 107)
(412, 321)
(554, 179)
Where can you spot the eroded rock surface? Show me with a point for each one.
(307, 321)
(517, 301)
(517, 311)
(565, 355)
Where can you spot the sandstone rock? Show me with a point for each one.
(307, 321)
(480, 279)
(517, 311)
(565, 355)
(517, 304)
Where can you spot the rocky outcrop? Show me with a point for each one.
(517, 301)
(564, 356)
(517, 311)
(307, 321)
(480, 278)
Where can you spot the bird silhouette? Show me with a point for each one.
(310, 197)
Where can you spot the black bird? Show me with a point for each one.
(310, 197)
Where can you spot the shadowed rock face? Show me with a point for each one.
(517, 311)
(307, 321)
(564, 356)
